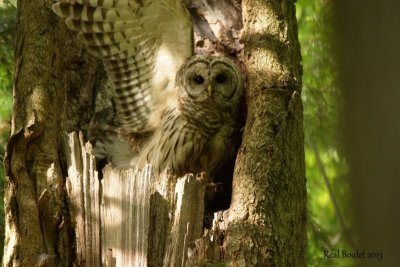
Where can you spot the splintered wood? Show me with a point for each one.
(83, 190)
(125, 213)
(129, 217)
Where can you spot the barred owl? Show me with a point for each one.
(197, 135)
(180, 109)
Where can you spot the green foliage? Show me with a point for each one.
(325, 166)
(7, 31)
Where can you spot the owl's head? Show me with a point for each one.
(206, 78)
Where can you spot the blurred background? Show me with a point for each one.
(329, 216)
(330, 220)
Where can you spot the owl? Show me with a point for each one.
(174, 110)
(198, 133)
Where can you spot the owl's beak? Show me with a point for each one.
(209, 90)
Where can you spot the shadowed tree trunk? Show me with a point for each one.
(369, 65)
(61, 211)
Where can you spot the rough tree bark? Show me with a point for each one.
(59, 211)
(53, 84)
(267, 216)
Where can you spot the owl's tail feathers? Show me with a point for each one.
(115, 151)
(107, 141)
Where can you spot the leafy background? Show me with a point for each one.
(329, 220)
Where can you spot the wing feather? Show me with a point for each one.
(90, 13)
(142, 45)
(99, 27)
(101, 3)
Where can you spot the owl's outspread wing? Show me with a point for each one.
(142, 45)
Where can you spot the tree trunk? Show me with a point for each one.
(267, 216)
(53, 85)
(61, 211)
(369, 61)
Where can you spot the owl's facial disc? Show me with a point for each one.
(216, 78)
(197, 80)
(223, 81)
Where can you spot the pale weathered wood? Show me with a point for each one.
(125, 216)
(130, 217)
(83, 193)
(187, 221)
(74, 184)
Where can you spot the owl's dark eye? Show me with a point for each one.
(199, 79)
(220, 78)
